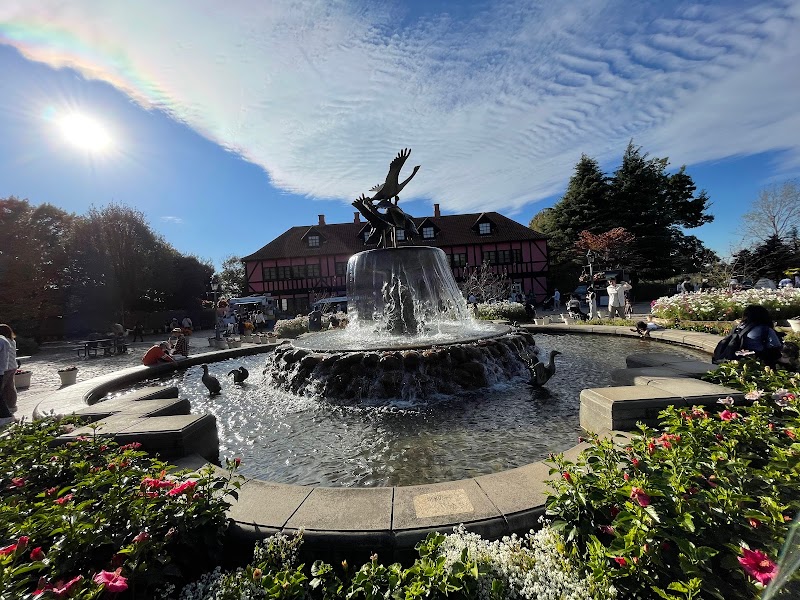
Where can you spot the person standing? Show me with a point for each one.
(138, 331)
(187, 324)
(8, 390)
(591, 300)
(556, 300)
(616, 298)
(260, 321)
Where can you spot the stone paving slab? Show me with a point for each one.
(516, 490)
(641, 375)
(694, 391)
(441, 505)
(344, 509)
(267, 504)
(143, 408)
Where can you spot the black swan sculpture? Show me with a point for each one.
(540, 372)
(211, 382)
(239, 375)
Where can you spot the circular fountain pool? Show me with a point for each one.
(308, 441)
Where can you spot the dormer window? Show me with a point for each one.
(400, 235)
(428, 233)
(313, 241)
(485, 228)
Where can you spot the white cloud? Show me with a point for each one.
(174, 220)
(497, 105)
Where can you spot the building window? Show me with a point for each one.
(458, 260)
(484, 228)
(504, 257)
(341, 269)
(298, 271)
(516, 256)
(270, 273)
(490, 257)
(428, 233)
(312, 270)
(365, 235)
(284, 273)
(400, 235)
(313, 241)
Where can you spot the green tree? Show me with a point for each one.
(641, 197)
(232, 278)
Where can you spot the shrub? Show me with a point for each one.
(511, 311)
(291, 328)
(688, 511)
(722, 305)
(459, 565)
(88, 515)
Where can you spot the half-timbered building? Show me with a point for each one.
(309, 262)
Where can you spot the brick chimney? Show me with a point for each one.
(436, 212)
(356, 217)
(322, 219)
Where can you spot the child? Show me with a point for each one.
(628, 308)
(644, 329)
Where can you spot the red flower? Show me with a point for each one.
(758, 565)
(635, 462)
(63, 499)
(17, 482)
(51, 491)
(141, 537)
(614, 512)
(754, 523)
(37, 554)
(237, 461)
(113, 581)
(131, 446)
(640, 496)
(22, 543)
(10, 549)
(620, 561)
(791, 434)
(567, 476)
(186, 486)
(727, 415)
(625, 476)
(150, 482)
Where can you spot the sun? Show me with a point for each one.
(85, 133)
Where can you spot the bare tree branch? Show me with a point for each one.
(776, 212)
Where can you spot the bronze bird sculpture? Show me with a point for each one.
(239, 375)
(211, 382)
(391, 188)
(541, 373)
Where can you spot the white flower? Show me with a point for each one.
(725, 401)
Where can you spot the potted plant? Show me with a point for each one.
(69, 375)
(22, 379)
(794, 323)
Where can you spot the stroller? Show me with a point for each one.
(574, 309)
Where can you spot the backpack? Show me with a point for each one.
(729, 345)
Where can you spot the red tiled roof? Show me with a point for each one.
(342, 238)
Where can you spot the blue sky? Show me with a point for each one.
(230, 122)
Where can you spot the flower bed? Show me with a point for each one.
(512, 311)
(91, 516)
(291, 328)
(721, 305)
(699, 508)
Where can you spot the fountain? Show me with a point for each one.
(410, 333)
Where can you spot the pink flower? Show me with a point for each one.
(607, 529)
(131, 446)
(727, 415)
(63, 499)
(113, 581)
(60, 590)
(186, 486)
(17, 482)
(51, 491)
(37, 553)
(10, 549)
(790, 433)
(725, 401)
(754, 395)
(640, 496)
(758, 565)
(141, 537)
(237, 461)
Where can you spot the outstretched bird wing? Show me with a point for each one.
(376, 188)
(396, 165)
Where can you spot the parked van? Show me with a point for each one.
(328, 305)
